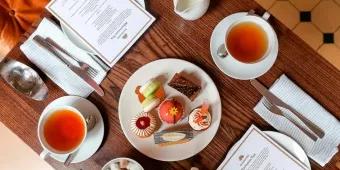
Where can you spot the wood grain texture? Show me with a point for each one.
(172, 37)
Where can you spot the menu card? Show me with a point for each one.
(256, 151)
(108, 27)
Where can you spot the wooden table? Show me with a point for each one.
(172, 37)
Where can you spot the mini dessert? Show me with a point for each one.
(149, 88)
(144, 125)
(150, 103)
(200, 118)
(150, 94)
(166, 138)
(170, 111)
(199, 121)
(185, 86)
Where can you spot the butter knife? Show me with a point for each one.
(278, 102)
(81, 73)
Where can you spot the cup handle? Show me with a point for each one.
(251, 12)
(44, 154)
(266, 15)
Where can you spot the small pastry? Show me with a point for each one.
(150, 103)
(170, 111)
(149, 88)
(150, 94)
(199, 120)
(185, 86)
(114, 166)
(133, 166)
(166, 138)
(144, 125)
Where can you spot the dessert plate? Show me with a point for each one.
(129, 107)
(78, 41)
(232, 67)
(94, 137)
(117, 160)
(283, 140)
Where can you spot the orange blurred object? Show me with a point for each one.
(16, 16)
(140, 96)
(160, 93)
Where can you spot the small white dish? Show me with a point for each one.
(94, 137)
(129, 107)
(78, 41)
(232, 67)
(286, 142)
(107, 165)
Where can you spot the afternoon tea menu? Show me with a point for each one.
(108, 27)
(256, 151)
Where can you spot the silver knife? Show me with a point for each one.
(278, 102)
(81, 73)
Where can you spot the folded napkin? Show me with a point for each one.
(323, 149)
(55, 69)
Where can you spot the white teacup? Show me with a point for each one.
(262, 22)
(47, 148)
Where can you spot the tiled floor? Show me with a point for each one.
(317, 22)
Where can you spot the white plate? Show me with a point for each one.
(78, 41)
(286, 142)
(107, 165)
(232, 67)
(94, 137)
(129, 106)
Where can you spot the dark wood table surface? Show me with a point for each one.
(172, 37)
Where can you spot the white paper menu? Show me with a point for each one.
(257, 151)
(109, 27)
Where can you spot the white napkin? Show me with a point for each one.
(323, 149)
(56, 70)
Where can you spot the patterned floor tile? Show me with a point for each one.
(331, 53)
(310, 34)
(286, 13)
(317, 22)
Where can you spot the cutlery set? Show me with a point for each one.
(84, 71)
(274, 105)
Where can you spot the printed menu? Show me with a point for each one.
(256, 151)
(109, 27)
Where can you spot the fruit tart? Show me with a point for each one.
(144, 124)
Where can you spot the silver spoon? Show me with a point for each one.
(23, 79)
(90, 123)
(221, 51)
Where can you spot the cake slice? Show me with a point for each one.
(185, 86)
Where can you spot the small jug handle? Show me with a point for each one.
(265, 16)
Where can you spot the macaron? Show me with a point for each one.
(150, 87)
(150, 103)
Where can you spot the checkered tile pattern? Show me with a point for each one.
(317, 22)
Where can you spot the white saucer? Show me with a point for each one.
(94, 137)
(286, 142)
(129, 107)
(78, 41)
(232, 67)
(117, 160)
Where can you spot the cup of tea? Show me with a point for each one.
(61, 130)
(249, 39)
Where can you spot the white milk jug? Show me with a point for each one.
(191, 9)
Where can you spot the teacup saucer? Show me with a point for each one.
(94, 137)
(232, 67)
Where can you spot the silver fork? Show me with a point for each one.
(90, 70)
(274, 109)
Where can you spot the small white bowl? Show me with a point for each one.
(116, 160)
